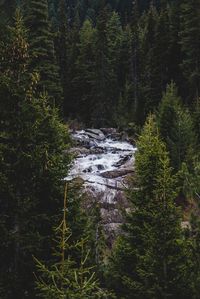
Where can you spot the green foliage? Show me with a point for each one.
(85, 71)
(66, 277)
(41, 40)
(176, 128)
(157, 42)
(115, 60)
(190, 43)
(32, 166)
(148, 261)
(196, 117)
(102, 78)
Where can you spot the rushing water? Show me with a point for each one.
(92, 167)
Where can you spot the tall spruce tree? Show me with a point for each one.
(32, 167)
(190, 44)
(134, 59)
(148, 260)
(85, 72)
(176, 128)
(63, 50)
(101, 80)
(175, 57)
(148, 73)
(114, 45)
(41, 40)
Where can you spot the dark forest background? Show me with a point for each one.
(113, 59)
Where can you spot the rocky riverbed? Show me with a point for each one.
(104, 160)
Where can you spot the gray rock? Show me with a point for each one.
(117, 173)
(123, 161)
(95, 134)
(95, 131)
(96, 151)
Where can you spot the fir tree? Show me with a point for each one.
(174, 48)
(100, 83)
(148, 261)
(68, 278)
(42, 49)
(32, 166)
(114, 44)
(190, 44)
(63, 50)
(134, 59)
(85, 72)
(176, 128)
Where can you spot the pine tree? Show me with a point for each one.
(162, 51)
(148, 261)
(176, 128)
(66, 277)
(85, 72)
(148, 27)
(174, 57)
(190, 44)
(64, 54)
(32, 166)
(42, 49)
(155, 48)
(196, 117)
(114, 45)
(134, 59)
(102, 77)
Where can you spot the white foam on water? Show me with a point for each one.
(90, 167)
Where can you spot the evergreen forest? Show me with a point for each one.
(128, 68)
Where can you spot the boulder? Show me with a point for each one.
(117, 173)
(123, 160)
(94, 131)
(96, 134)
(96, 151)
(96, 137)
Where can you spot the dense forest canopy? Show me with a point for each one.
(129, 65)
(134, 47)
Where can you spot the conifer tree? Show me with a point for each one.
(176, 127)
(190, 44)
(63, 50)
(148, 23)
(114, 45)
(148, 261)
(161, 52)
(101, 81)
(42, 48)
(85, 72)
(66, 277)
(174, 57)
(134, 59)
(196, 117)
(32, 166)
(154, 47)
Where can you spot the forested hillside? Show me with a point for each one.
(134, 66)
